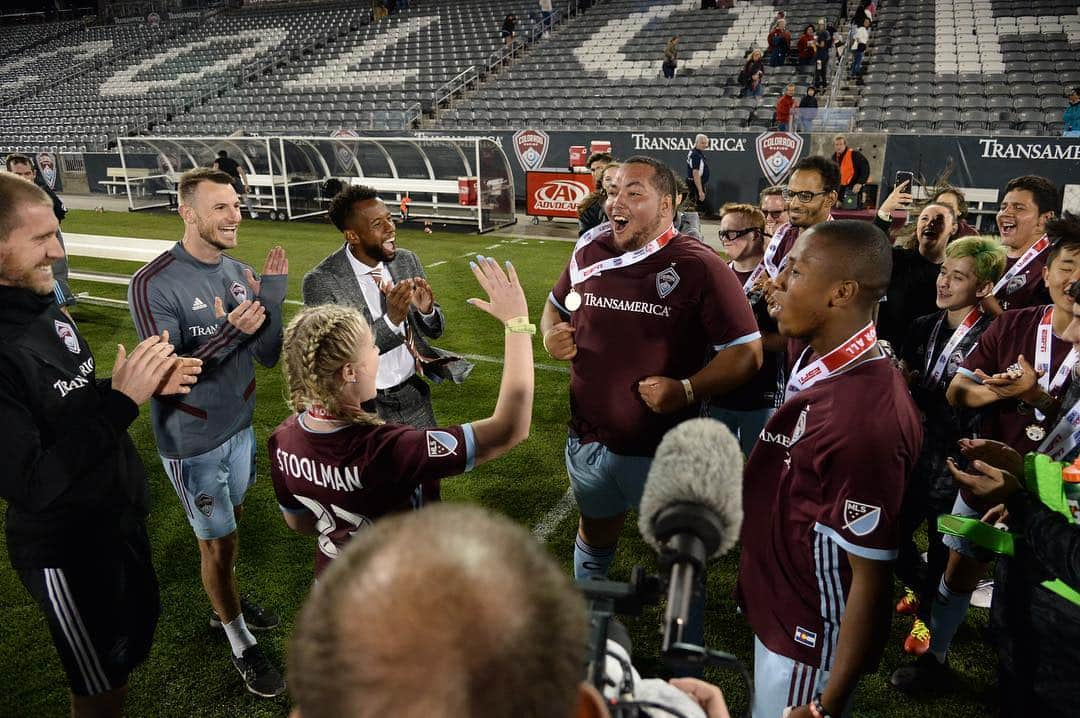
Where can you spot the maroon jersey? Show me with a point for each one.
(665, 316)
(350, 477)
(1010, 335)
(1027, 288)
(760, 391)
(826, 479)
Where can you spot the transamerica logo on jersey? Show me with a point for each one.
(626, 305)
(777, 152)
(198, 304)
(440, 444)
(67, 335)
(239, 292)
(666, 281)
(860, 519)
(531, 148)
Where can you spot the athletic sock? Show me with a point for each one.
(589, 561)
(946, 615)
(240, 638)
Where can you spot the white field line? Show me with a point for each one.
(551, 520)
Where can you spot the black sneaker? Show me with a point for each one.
(256, 617)
(924, 675)
(260, 676)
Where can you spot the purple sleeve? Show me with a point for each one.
(416, 455)
(726, 315)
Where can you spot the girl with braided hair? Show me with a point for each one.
(336, 466)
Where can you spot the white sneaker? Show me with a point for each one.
(983, 594)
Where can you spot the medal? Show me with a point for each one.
(1035, 432)
(572, 301)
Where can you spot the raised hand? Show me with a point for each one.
(423, 298)
(139, 375)
(1015, 384)
(506, 298)
(277, 264)
(247, 317)
(398, 300)
(899, 198)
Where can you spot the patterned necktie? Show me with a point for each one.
(410, 341)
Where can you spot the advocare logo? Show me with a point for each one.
(560, 195)
(777, 153)
(531, 148)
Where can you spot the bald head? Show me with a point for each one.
(857, 251)
(448, 611)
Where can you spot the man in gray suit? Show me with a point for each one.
(389, 286)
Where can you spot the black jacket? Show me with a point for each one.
(72, 479)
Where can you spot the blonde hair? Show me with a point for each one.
(753, 214)
(599, 194)
(319, 341)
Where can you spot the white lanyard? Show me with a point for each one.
(1065, 436)
(774, 246)
(1026, 259)
(839, 358)
(748, 285)
(578, 276)
(1044, 340)
(934, 374)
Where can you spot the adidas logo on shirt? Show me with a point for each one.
(198, 304)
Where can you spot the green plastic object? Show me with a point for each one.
(1042, 477)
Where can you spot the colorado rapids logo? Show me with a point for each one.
(67, 335)
(1016, 283)
(531, 148)
(239, 291)
(777, 152)
(343, 151)
(860, 519)
(666, 281)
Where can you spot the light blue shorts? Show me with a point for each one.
(780, 682)
(605, 483)
(211, 485)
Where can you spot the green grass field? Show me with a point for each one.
(188, 673)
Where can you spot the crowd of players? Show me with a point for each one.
(872, 386)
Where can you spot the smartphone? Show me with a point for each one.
(908, 177)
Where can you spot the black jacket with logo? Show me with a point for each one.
(72, 479)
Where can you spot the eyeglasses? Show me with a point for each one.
(775, 213)
(731, 235)
(803, 197)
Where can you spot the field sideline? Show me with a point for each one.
(189, 674)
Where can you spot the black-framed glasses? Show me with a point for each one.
(730, 235)
(773, 213)
(803, 197)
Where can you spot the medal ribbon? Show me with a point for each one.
(840, 357)
(1065, 436)
(934, 374)
(1044, 339)
(577, 276)
(774, 246)
(317, 412)
(749, 283)
(1026, 259)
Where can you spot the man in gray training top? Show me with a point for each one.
(216, 310)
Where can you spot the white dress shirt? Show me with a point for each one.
(396, 365)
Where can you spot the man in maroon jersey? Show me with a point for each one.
(639, 311)
(1029, 202)
(1021, 366)
(811, 194)
(826, 481)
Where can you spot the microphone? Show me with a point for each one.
(691, 511)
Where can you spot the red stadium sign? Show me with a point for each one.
(555, 194)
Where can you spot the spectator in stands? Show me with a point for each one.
(687, 221)
(865, 12)
(822, 46)
(456, 652)
(854, 171)
(671, 57)
(545, 14)
(752, 73)
(860, 39)
(808, 107)
(240, 182)
(783, 108)
(22, 166)
(591, 209)
(805, 48)
(774, 208)
(779, 43)
(1071, 117)
(697, 172)
(507, 32)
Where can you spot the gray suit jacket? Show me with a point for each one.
(333, 281)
